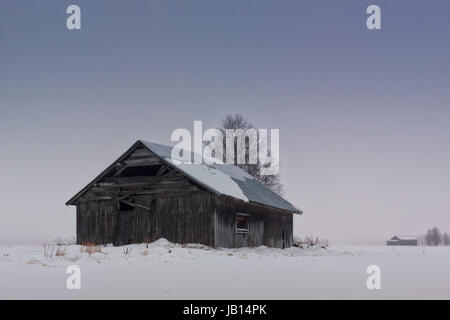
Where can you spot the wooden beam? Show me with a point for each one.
(123, 197)
(139, 162)
(171, 175)
(148, 161)
(147, 189)
(93, 198)
(161, 170)
(148, 195)
(143, 184)
(121, 167)
(135, 205)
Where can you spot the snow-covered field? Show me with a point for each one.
(168, 271)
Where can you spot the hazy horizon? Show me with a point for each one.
(363, 115)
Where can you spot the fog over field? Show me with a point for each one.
(363, 115)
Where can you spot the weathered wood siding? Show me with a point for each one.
(274, 226)
(96, 221)
(265, 226)
(182, 219)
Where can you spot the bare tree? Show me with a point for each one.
(433, 237)
(237, 121)
(446, 239)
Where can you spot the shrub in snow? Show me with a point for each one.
(90, 249)
(60, 251)
(60, 241)
(49, 250)
(310, 241)
(127, 251)
(146, 241)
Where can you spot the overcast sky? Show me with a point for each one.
(363, 115)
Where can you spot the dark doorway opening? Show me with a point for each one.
(125, 207)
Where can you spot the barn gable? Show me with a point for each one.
(150, 165)
(138, 171)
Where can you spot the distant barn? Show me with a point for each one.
(402, 241)
(145, 195)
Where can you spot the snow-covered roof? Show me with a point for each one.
(224, 179)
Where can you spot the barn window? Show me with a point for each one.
(242, 223)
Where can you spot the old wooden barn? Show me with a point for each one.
(402, 241)
(145, 195)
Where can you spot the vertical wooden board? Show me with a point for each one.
(171, 226)
(85, 222)
(78, 223)
(175, 212)
(188, 221)
(89, 222)
(181, 219)
(158, 219)
(165, 218)
(168, 218)
(191, 220)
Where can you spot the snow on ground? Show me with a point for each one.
(169, 271)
